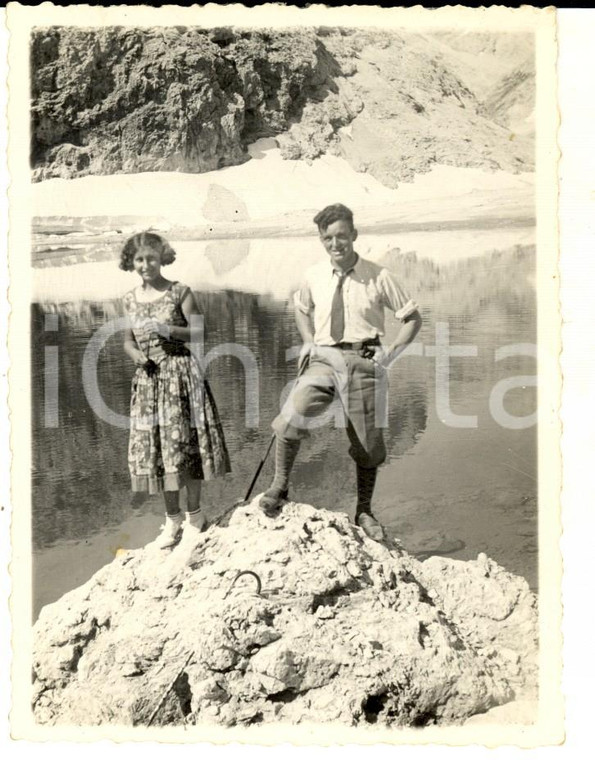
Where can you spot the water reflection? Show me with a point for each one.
(226, 255)
(79, 467)
(452, 483)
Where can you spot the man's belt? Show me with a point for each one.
(357, 346)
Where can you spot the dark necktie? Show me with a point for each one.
(337, 311)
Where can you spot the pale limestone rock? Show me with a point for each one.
(344, 629)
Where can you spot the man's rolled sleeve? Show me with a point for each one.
(396, 299)
(302, 300)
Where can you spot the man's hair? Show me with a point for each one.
(331, 214)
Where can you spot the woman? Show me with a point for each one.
(176, 439)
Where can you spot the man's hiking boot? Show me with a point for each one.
(271, 502)
(370, 525)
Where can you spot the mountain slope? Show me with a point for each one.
(418, 114)
(512, 101)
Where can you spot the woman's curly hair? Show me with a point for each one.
(150, 240)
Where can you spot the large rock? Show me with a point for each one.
(342, 629)
(124, 99)
(120, 99)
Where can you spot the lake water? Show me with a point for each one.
(444, 490)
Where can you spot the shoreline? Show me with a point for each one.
(272, 266)
(273, 232)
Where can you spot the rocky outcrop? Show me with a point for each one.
(123, 99)
(512, 101)
(417, 113)
(325, 625)
(480, 59)
(173, 99)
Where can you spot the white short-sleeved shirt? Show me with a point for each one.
(368, 290)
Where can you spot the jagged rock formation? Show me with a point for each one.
(121, 99)
(512, 101)
(344, 629)
(480, 59)
(499, 69)
(417, 113)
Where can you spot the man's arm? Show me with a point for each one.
(304, 311)
(405, 310)
(409, 329)
(304, 325)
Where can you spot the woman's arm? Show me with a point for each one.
(177, 332)
(189, 310)
(131, 348)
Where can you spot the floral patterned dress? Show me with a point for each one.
(175, 431)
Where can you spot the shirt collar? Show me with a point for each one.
(341, 272)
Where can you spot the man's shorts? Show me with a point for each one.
(345, 389)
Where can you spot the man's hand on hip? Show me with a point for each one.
(382, 357)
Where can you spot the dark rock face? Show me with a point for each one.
(121, 99)
(130, 100)
(339, 629)
(114, 100)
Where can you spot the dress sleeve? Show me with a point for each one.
(182, 292)
(395, 298)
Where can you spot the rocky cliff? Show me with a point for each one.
(130, 100)
(326, 626)
(511, 102)
(122, 99)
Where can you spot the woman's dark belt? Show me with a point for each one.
(169, 348)
(175, 348)
(357, 346)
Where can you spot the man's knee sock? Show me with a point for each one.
(285, 453)
(366, 480)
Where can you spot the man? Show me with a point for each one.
(339, 313)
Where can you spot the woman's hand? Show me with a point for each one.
(138, 357)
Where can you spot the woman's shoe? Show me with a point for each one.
(195, 524)
(370, 525)
(170, 532)
(196, 520)
(271, 502)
